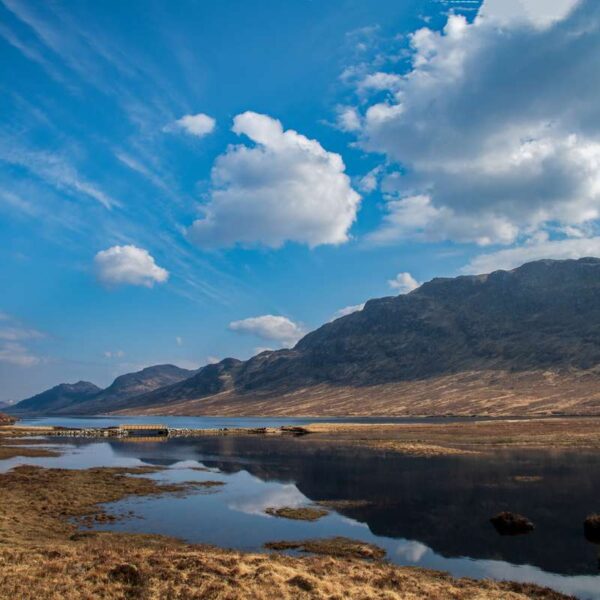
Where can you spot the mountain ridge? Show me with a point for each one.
(536, 327)
(525, 341)
(84, 397)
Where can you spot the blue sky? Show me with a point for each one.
(181, 182)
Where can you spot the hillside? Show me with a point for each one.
(86, 398)
(60, 397)
(525, 341)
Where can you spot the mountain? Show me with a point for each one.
(57, 398)
(86, 398)
(525, 341)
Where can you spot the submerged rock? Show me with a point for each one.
(591, 529)
(508, 523)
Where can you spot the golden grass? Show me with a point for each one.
(435, 439)
(340, 547)
(43, 555)
(300, 513)
(14, 451)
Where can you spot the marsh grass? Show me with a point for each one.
(301, 513)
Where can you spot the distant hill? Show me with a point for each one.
(57, 398)
(511, 342)
(525, 341)
(86, 398)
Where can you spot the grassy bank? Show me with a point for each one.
(435, 439)
(44, 555)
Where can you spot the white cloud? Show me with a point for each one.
(128, 265)
(18, 355)
(179, 340)
(348, 118)
(495, 127)
(403, 283)
(285, 187)
(114, 354)
(15, 334)
(370, 181)
(348, 310)
(511, 258)
(270, 327)
(198, 125)
(540, 13)
(13, 339)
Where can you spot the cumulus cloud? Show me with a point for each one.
(128, 265)
(198, 125)
(495, 127)
(348, 310)
(403, 283)
(540, 13)
(270, 327)
(510, 258)
(285, 187)
(348, 118)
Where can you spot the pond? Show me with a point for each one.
(426, 512)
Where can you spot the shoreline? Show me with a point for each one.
(44, 552)
(417, 439)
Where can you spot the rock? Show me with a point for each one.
(591, 529)
(507, 523)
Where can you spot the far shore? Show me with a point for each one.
(418, 439)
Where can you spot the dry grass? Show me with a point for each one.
(43, 555)
(13, 451)
(340, 547)
(301, 513)
(111, 567)
(435, 439)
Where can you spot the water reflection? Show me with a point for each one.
(430, 512)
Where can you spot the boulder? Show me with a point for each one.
(591, 529)
(508, 523)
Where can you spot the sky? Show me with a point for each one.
(185, 181)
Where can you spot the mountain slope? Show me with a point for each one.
(58, 398)
(86, 398)
(511, 342)
(131, 385)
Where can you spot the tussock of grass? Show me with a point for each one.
(336, 546)
(302, 513)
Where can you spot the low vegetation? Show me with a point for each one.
(337, 546)
(300, 513)
(44, 555)
(436, 439)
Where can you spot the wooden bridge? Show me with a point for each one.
(145, 430)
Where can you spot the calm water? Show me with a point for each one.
(221, 422)
(431, 513)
